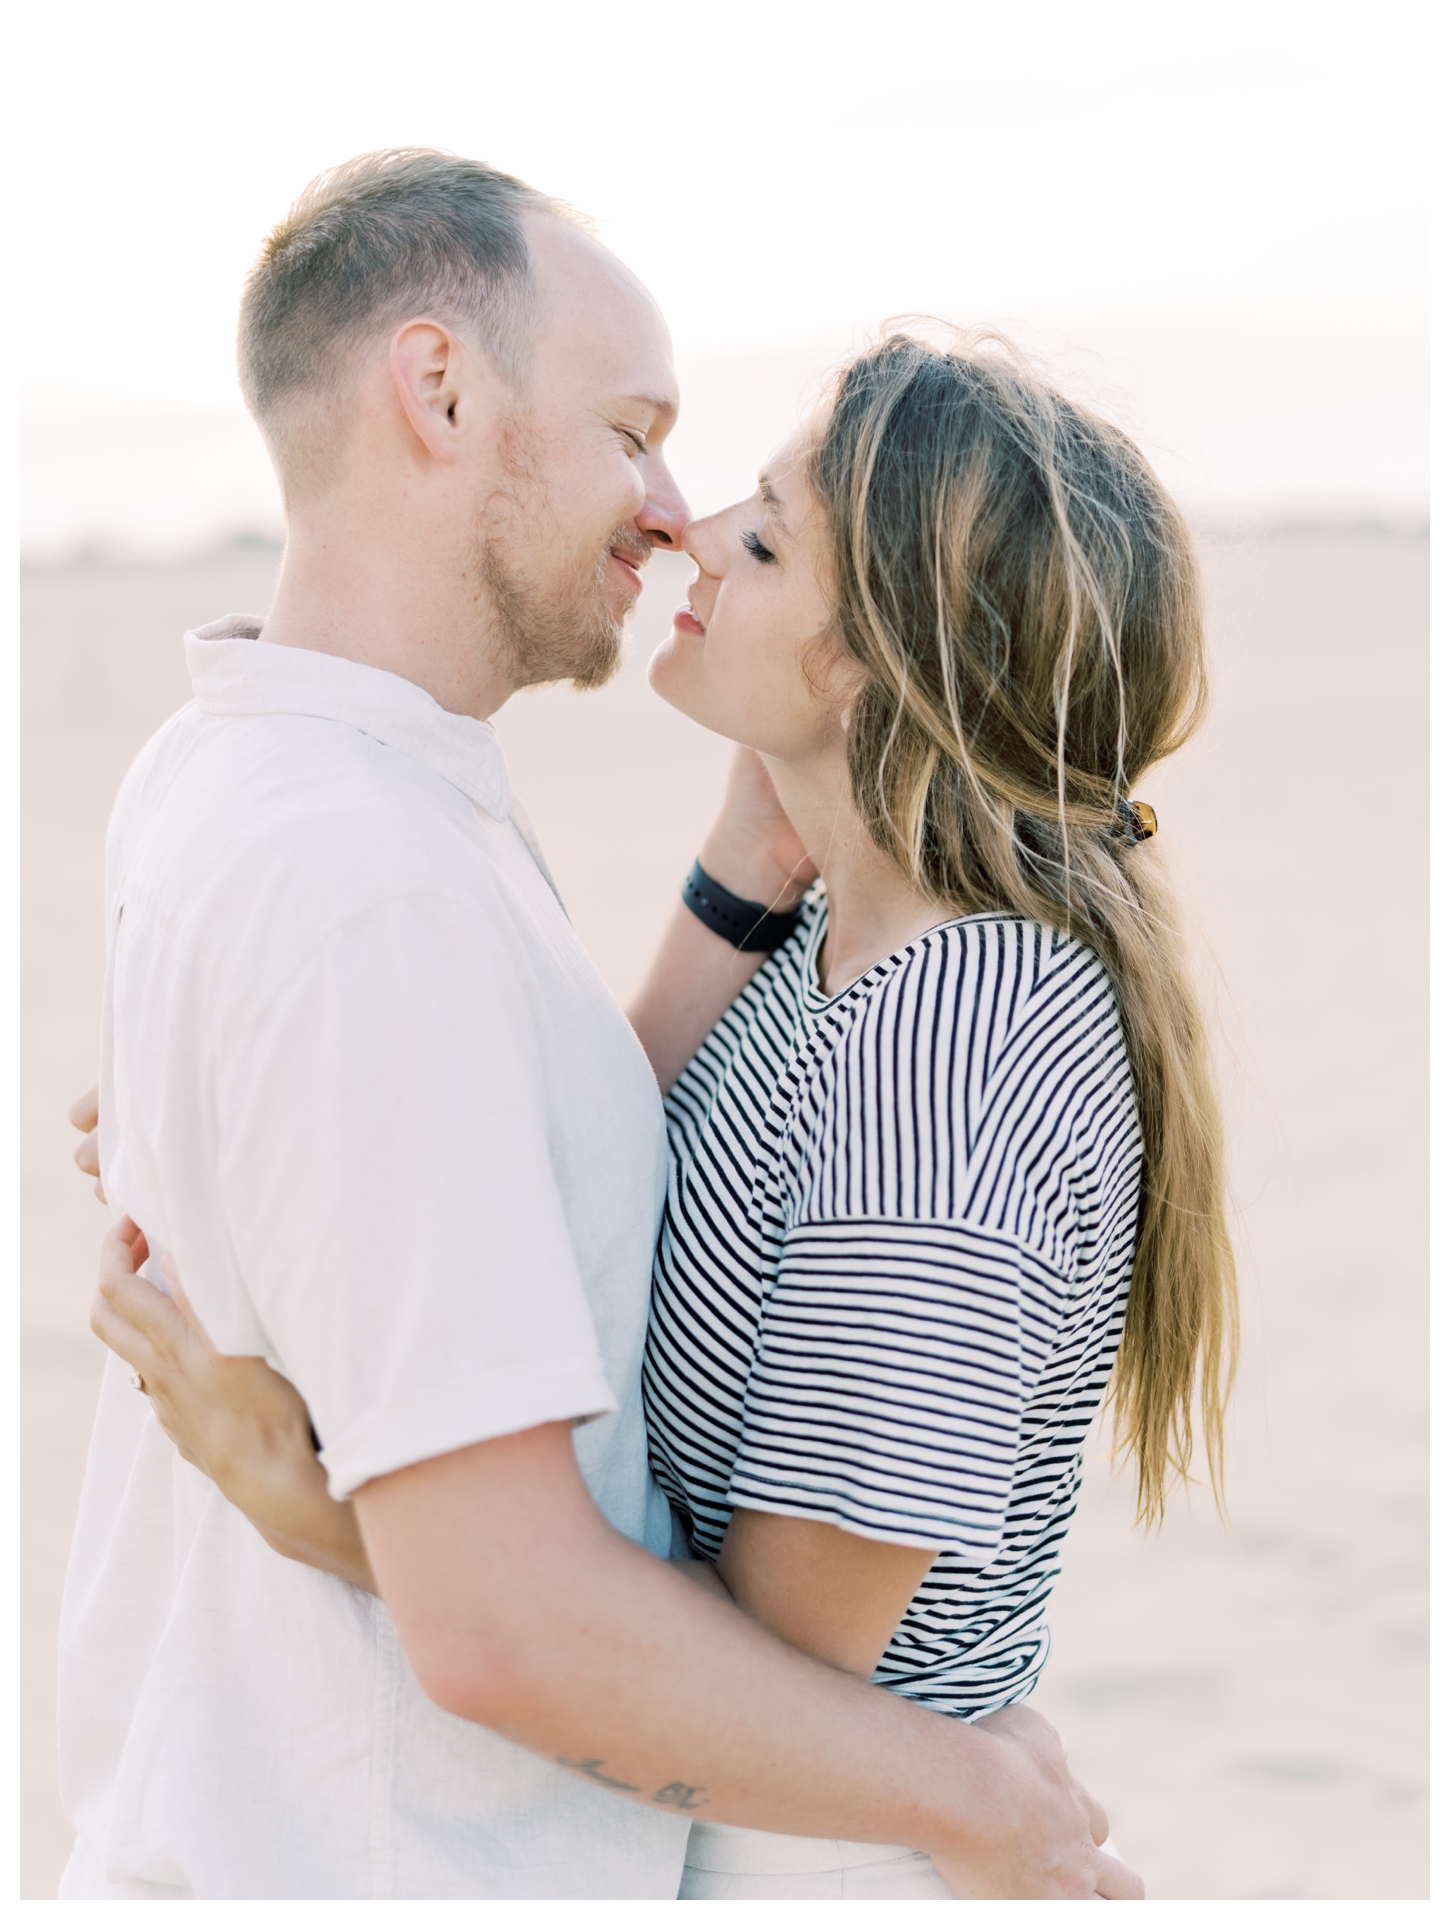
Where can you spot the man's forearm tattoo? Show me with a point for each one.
(678, 1794)
(595, 1771)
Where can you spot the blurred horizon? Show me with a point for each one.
(1244, 429)
(102, 556)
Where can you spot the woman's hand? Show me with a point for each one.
(753, 849)
(84, 1114)
(235, 1418)
(754, 852)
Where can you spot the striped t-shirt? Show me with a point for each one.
(893, 1269)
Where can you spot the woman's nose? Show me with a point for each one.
(695, 541)
(704, 540)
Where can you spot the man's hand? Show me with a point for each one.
(1041, 1819)
(84, 1114)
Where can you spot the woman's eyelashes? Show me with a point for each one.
(755, 546)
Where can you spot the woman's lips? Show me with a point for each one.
(688, 621)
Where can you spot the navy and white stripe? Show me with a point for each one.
(893, 1269)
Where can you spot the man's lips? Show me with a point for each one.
(633, 563)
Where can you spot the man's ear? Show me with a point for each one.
(427, 363)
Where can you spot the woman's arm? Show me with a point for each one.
(831, 1594)
(755, 852)
(236, 1419)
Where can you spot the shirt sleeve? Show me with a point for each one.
(924, 1266)
(891, 1379)
(392, 1195)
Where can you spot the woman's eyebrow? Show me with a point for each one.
(772, 505)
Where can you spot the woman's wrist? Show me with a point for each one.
(272, 1474)
(285, 1498)
(745, 925)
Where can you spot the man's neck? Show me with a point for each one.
(391, 604)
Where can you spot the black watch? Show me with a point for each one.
(746, 924)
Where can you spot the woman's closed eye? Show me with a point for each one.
(755, 546)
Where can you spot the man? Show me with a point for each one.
(360, 1079)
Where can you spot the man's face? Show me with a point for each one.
(582, 494)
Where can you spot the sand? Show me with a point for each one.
(1250, 1703)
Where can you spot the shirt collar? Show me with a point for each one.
(233, 672)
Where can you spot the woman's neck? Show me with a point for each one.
(874, 908)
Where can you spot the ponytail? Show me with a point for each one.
(1023, 598)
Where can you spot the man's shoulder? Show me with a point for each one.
(225, 822)
(153, 766)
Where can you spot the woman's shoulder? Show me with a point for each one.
(993, 1014)
(1007, 972)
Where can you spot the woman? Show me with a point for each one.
(952, 1155)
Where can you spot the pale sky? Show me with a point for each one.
(782, 176)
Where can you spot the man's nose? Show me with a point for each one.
(665, 513)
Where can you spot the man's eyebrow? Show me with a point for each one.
(661, 403)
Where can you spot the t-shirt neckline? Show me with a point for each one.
(815, 997)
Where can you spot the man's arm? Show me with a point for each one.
(520, 1608)
(754, 852)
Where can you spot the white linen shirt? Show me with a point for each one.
(361, 1079)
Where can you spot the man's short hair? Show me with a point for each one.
(387, 236)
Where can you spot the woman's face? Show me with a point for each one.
(751, 654)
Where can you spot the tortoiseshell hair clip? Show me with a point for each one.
(1138, 822)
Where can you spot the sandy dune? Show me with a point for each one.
(1250, 1704)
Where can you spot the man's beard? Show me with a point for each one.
(554, 624)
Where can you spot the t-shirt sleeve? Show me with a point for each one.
(921, 1281)
(393, 1199)
(891, 1378)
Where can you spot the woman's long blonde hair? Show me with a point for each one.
(1024, 600)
